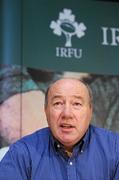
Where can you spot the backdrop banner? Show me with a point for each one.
(71, 35)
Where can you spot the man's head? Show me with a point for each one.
(68, 108)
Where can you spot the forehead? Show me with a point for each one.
(68, 87)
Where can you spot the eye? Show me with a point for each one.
(77, 104)
(58, 104)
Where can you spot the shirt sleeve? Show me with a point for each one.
(116, 177)
(16, 163)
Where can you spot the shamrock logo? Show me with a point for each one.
(67, 25)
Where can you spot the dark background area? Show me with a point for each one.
(109, 0)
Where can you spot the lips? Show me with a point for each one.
(67, 126)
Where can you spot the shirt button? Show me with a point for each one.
(58, 145)
(71, 163)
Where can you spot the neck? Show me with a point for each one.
(69, 151)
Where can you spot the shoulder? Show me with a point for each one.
(103, 131)
(41, 133)
(105, 137)
(32, 143)
(39, 137)
(26, 151)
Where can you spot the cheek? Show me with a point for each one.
(84, 117)
(85, 113)
(52, 116)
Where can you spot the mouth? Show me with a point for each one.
(66, 127)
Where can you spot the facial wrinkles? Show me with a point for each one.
(70, 115)
(70, 122)
(80, 93)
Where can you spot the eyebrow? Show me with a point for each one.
(78, 97)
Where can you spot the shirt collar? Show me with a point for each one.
(86, 140)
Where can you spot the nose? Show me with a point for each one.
(67, 112)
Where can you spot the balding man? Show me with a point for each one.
(70, 148)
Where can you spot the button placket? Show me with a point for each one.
(71, 169)
(71, 163)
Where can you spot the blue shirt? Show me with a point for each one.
(39, 157)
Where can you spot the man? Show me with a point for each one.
(70, 148)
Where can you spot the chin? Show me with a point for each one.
(67, 142)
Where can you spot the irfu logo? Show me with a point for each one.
(110, 36)
(67, 25)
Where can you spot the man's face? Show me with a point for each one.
(68, 111)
